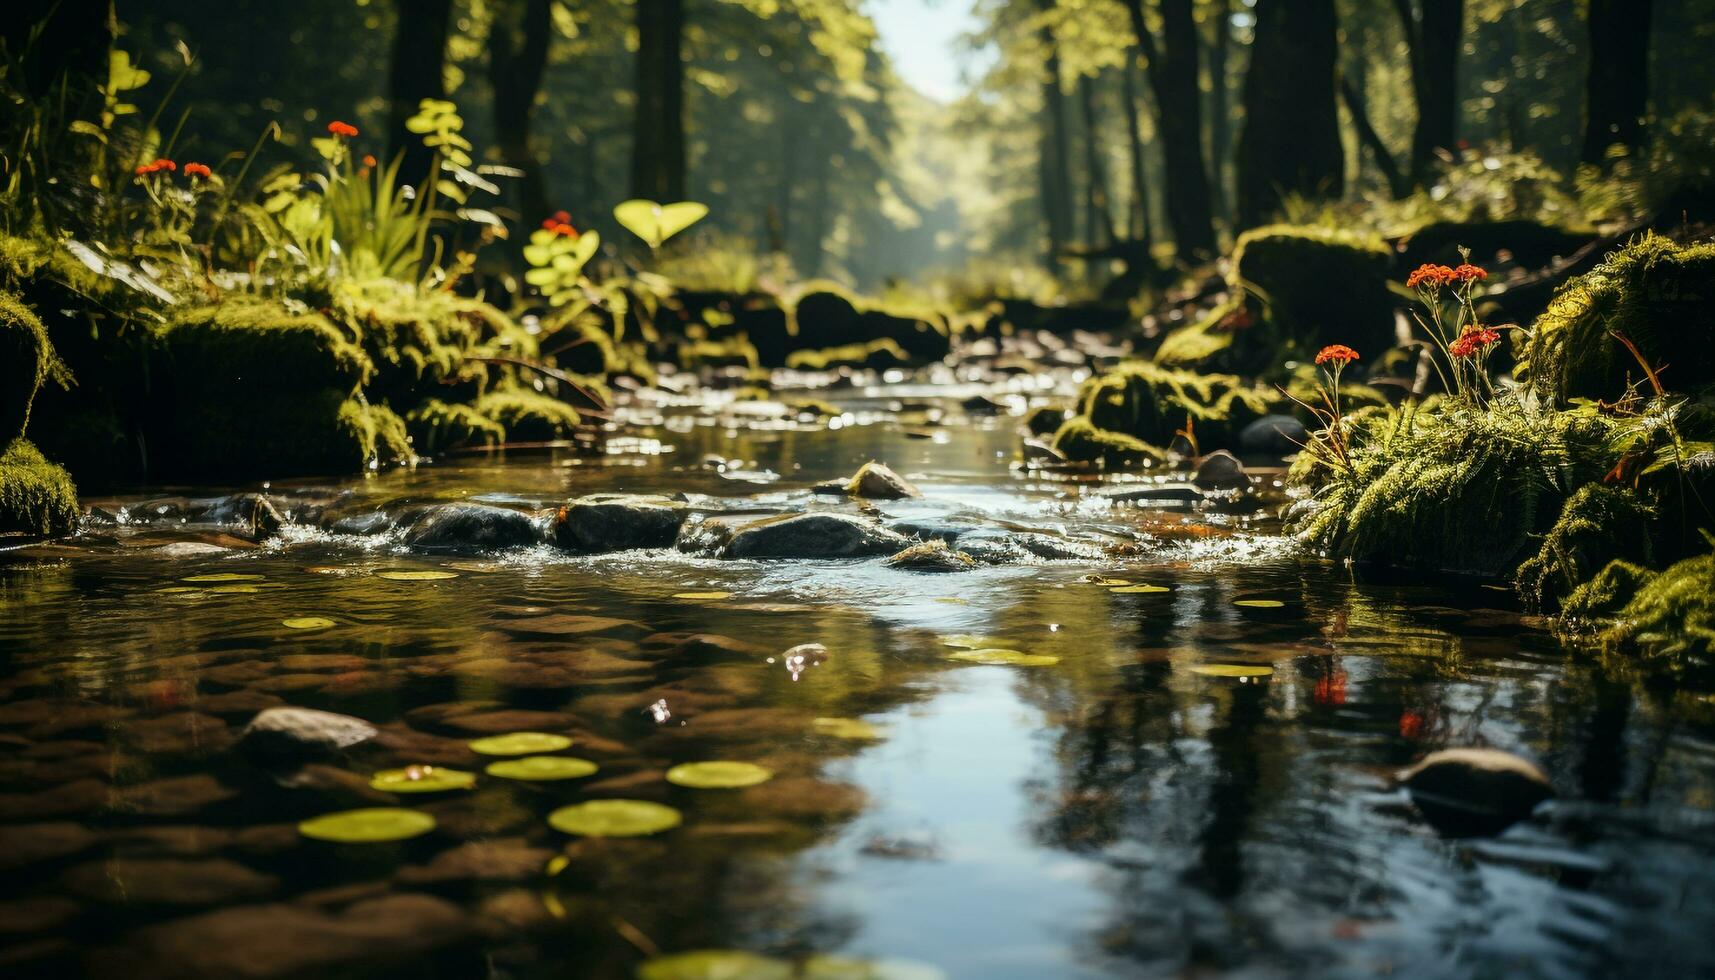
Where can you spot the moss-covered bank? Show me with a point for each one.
(37, 498)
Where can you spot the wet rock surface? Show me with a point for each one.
(472, 527)
(288, 735)
(815, 535)
(618, 522)
(1475, 792)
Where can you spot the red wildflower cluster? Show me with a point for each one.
(156, 167)
(1469, 273)
(1431, 276)
(338, 128)
(560, 223)
(198, 170)
(369, 159)
(1340, 354)
(1473, 342)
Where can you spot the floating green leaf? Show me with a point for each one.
(850, 728)
(307, 623)
(1004, 658)
(520, 743)
(178, 589)
(1139, 589)
(966, 641)
(370, 825)
(1260, 603)
(702, 596)
(1233, 670)
(415, 575)
(422, 779)
(223, 577)
(1104, 580)
(614, 818)
(718, 775)
(655, 223)
(230, 589)
(542, 768)
(714, 964)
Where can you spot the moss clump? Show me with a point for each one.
(825, 315)
(1658, 294)
(1462, 489)
(1044, 420)
(1081, 441)
(1201, 344)
(436, 425)
(1606, 593)
(37, 498)
(378, 432)
(27, 360)
(882, 353)
(528, 416)
(1673, 612)
(1599, 524)
(1150, 402)
(728, 352)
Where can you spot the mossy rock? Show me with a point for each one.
(826, 316)
(1081, 441)
(1016, 315)
(26, 361)
(1606, 593)
(436, 426)
(727, 352)
(1600, 524)
(922, 338)
(875, 354)
(1672, 614)
(1531, 244)
(1044, 420)
(528, 416)
(37, 498)
(418, 338)
(1658, 294)
(1151, 403)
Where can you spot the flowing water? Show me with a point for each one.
(1123, 812)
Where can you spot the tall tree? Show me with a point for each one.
(1054, 167)
(1220, 117)
(1617, 94)
(1432, 32)
(1139, 223)
(419, 62)
(1179, 119)
(1099, 217)
(658, 131)
(1290, 142)
(517, 57)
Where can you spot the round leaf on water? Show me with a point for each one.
(846, 728)
(415, 575)
(718, 775)
(520, 743)
(614, 818)
(422, 779)
(702, 596)
(371, 825)
(846, 968)
(966, 641)
(714, 964)
(1260, 603)
(1005, 658)
(223, 577)
(234, 589)
(542, 768)
(1233, 670)
(1139, 589)
(307, 623)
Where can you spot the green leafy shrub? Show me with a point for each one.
(37, 498)
(27, 360)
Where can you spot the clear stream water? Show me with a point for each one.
(1118, 814)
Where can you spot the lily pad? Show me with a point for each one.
(178, 589)
(967, 641)
(224, 577)
(307, 623)
(415, 575)
(702, 596)
(1260, 603)
(1104, 580)
(850, 728)
(478, 567)
(614, 818)
(1139, 589)
(422, 779)
(1233, 670)
(520, 743)
(714, 964)
(822, 967)
(235, 589)
(542, 768)
(1006, 658)
(370, 825)
(718, 775)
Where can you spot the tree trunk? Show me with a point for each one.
(1220, 118)
(1618, 92)
(1432, 38)
(658, 134)
(1398, 185)
(1290, 142)
(1055, 168)
(1100, 216)
(1139, 222)
(419, 55)
(1179, 118)
(517, 57)
(75, 38)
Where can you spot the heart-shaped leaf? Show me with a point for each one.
(654, 222)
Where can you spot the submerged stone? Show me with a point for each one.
(167, 881)
(1475, 792)
(932, 556)
(464, 526)
(297, 734)
(617, 522)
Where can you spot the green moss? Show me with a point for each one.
(729, 351)
(380, 434)
(37, 498)
(1150, 403)
(1304, 287)
(1044, 420)
(1672, 614)
(882, 353)
(528, 416)
(436, 425)
(1081, 441)
(1606, 593)
(27, 360)
(1200, 344)
(1599, 524)
(1658, 294)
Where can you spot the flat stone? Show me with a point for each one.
(30, 843)
(295, 734)
(65, 800)
(173, 797)
(818, 535)
(1164, 492)
(472, 527)
(932, 556)
(618, 522)
(510, 859)
(38, 913)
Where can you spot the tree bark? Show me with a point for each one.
(1220, 118)
(1398, 185)
(1617, 94)
(1140, 225)
(1055, 169)
(1290, 142)
(658, 133)
(419, 55)
(1100, 216)
(1432, 38)
(1179, 118)
(517, 57)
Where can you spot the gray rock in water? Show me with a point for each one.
(617, 522)
(363, 524)
(811, 536)
(1475, 792)
(1170, 493)
(472, 527)
(1038, 451)
(289, 735)
(255, 515)
(932, 556)
(877, 481)
(1221, 470)
(934, 529)
(997, 546)
(1273, 435)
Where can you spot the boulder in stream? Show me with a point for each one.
(1220, 470)
(617, 522)
(1472, 792)
(877, 481)
(472, 527)
(288, 735)
(818, 535)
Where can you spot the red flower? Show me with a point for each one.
(1340, 354)
(369, 159)
(198, 170)
(338, 128)
(158, 165)
(1473, 341)
(143, 169)
(562, 217)
(1410, 724)
(1469, 273)
(1431, 276)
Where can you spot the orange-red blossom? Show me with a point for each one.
(1340, 354)
(338, 128)
(156, 166)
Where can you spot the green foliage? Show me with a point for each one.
(1600, 524)
(557, 262)
(1657, 294)
(528, 416)
(654, 222)
(27, 360)
(1605, 594)
(378, 432)
(1152, 403)
(436, 425)
(37, 498)
(1672, 615)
